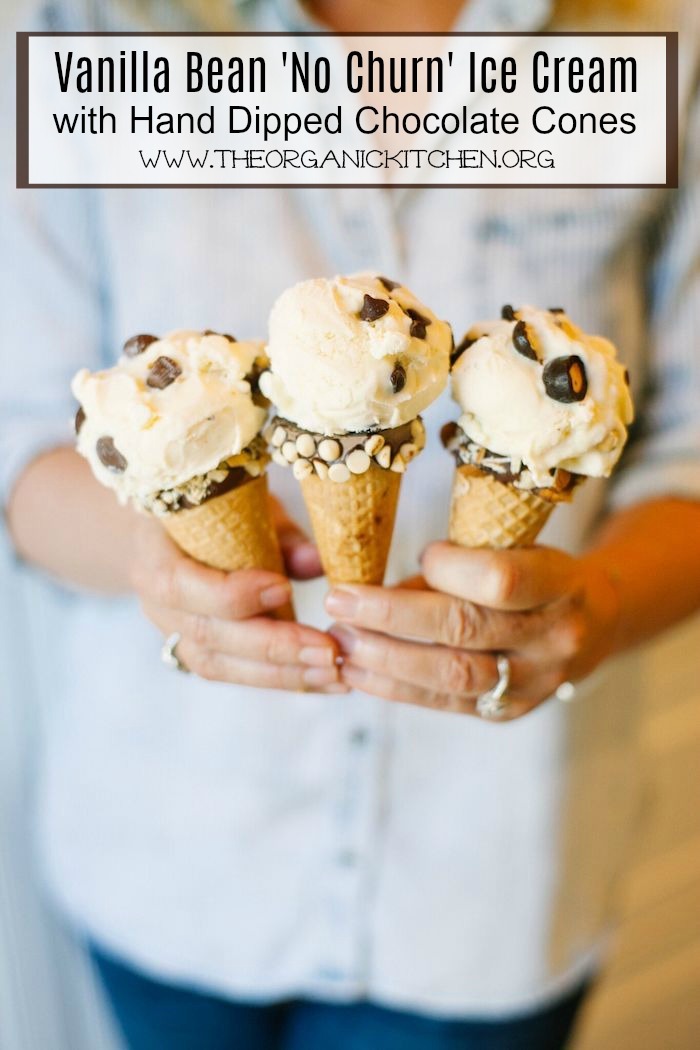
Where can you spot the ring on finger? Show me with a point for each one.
(168, 653)
(493, 704)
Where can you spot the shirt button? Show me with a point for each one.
(347, 858)
(359, 737)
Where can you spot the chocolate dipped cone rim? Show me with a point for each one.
(339, 457)
(506, 469)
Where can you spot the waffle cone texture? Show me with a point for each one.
(353, 522)
(231, 531)
(486, 512)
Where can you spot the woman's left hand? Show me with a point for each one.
(554, 617)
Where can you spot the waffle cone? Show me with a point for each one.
(231, 531)
(486, 512)
(353, 522)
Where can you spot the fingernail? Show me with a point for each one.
(340, 602)
(273, 597)
(346, 639)
(317, 656)
(320, 676)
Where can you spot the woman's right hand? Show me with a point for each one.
(226, 632)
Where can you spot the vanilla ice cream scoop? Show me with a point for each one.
(354, 354)
(170, 410)
(535, 389)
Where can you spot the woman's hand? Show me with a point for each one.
(554, 616)
(223, 618)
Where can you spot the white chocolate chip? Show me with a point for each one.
(373, 444)
(408, 451)
(302, 469)
(279, 436)
(398, 465)
(384, 457)
(357, 461)
(321, 469)
(289, 451)
(329, 450)
(278, 458)
(338, 472)
(306, 446)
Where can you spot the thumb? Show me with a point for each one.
(300, 554)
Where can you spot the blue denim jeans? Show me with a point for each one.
(157, 1016)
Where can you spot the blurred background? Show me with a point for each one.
(649, 998)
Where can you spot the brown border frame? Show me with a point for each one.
(22, 129)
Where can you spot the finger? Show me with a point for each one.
(300, 554)
(381, 685)
(504, 579)
(432, 667)
(388, 688)
(435, 617)
(235, 670)
(258, 638)
(165, 576)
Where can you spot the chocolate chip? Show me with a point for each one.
(373, 309)
(556, 309)
(457, 352)
(562, 479)
(627, 376)
(418, 323)
(164, 371)
(110, 456)
(448, 432)
(508, 313)
(389, 284)
(210, 331)
(137, 344)
(565, 379)
(521, 341)
(398, 377)
(79, 419)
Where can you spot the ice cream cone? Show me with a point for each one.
(174, 429)
(353, 363)
(543, 405)
(231, 531)
(353, 522)
(486, 512)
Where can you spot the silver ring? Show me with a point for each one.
(493, 703)
(169, 655)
